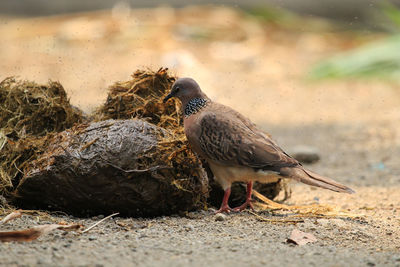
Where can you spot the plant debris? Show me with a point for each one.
(314, 210)
(13, 215)
(142, 98)
(97, 223)
(35, 232)
(300, 238)
(29, 112)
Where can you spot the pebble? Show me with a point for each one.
(220, 217)
(324, 222)
(91, 238)
(189, 227)
(305, 154)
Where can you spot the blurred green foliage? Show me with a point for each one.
(377, 59)
(287, 19)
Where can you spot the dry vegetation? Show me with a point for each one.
(29, 112)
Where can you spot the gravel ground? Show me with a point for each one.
(199, 239)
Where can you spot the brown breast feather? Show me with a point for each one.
(228, 138)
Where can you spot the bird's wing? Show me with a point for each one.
(228, 140)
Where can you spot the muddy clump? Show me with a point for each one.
(126, 166)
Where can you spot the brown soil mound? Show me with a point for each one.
(126, 166)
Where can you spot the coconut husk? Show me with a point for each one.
(126, 166)
(29, 111)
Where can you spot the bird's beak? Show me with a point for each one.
(168, 97)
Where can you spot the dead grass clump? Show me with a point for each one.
(29, 111)
(141, 98)
(28, 108)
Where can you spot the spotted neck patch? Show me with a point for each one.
(194, 105)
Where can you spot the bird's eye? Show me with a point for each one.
(177, 89)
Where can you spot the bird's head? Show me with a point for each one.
(185, 89)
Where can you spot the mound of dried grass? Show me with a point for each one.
(141, 98)
(29, 111)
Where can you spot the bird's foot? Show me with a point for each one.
(244, 206)
(224, 208)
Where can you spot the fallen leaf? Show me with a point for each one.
(35, 232)
(300, 238)
(13, 215)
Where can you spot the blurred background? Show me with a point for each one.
(325, 72)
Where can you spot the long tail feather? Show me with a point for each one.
(311, 178)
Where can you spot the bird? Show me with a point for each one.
(235, 148)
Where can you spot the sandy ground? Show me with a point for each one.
(258, 69)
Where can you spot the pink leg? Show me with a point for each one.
(224, 206)
(248, 199)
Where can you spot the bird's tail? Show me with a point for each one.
(308, 177)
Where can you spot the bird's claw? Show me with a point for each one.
(225, 209)
(244, 206)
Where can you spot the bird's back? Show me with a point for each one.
(226, 137)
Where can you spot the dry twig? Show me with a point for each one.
(102, 220)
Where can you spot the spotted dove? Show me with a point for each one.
(235, 148)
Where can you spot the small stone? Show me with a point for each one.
(220, 217)
(305, 154)
(91, 238)
(324, 222)
(338, 222)
(189, 227)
